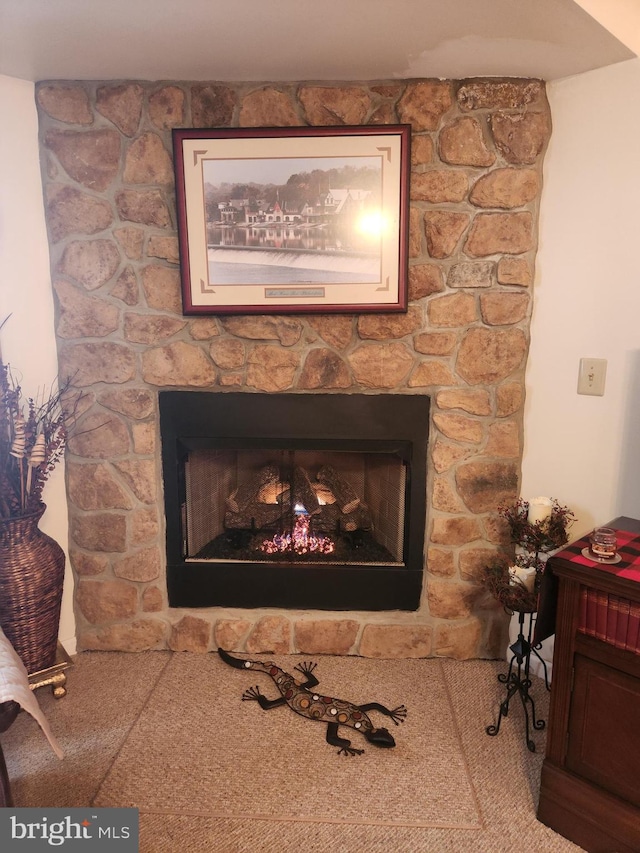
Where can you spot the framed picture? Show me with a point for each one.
(293, 220)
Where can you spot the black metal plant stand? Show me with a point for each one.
(518, 681)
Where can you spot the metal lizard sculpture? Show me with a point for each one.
(299, 696)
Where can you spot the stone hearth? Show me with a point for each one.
(477, 150)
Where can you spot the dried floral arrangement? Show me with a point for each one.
(33, 435)
(542, 536)
(535, 538)
(497, 580)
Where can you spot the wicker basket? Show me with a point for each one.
(31, 578)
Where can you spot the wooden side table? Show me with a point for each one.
(590, 782)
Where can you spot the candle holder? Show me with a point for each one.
(538, 537)
(603, 546)
(518, 682)
(536, 528)
(514, 597)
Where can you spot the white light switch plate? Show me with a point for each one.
(591, 376)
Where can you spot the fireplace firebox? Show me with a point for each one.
(313, 501)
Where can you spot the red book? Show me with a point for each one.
(602, 608)
(633, 638)
(582, 613)
(590, 620)
(613, 607)
(623, 624)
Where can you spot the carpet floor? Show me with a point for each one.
(198, 748)
(168, 733)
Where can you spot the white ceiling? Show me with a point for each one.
(281, 40)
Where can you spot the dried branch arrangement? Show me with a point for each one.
(534, 538)
(33, 435)
(541, 536)
(496, 579)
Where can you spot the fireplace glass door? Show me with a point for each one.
(302, 506)
(313, 501)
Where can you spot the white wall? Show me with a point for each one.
(585, 451)
(27, 339)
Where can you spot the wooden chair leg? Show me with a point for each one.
(8, 713)
(6, 798)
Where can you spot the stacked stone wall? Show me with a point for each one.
(477, 151)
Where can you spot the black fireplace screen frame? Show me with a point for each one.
(376, 423)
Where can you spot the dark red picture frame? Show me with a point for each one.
(293, 220)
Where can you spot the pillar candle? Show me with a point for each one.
(526, 577)
(539, 509)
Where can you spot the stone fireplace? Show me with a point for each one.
(477, 151)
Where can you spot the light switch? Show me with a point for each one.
(591, 376)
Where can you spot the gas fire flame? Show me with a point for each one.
(299, 540)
